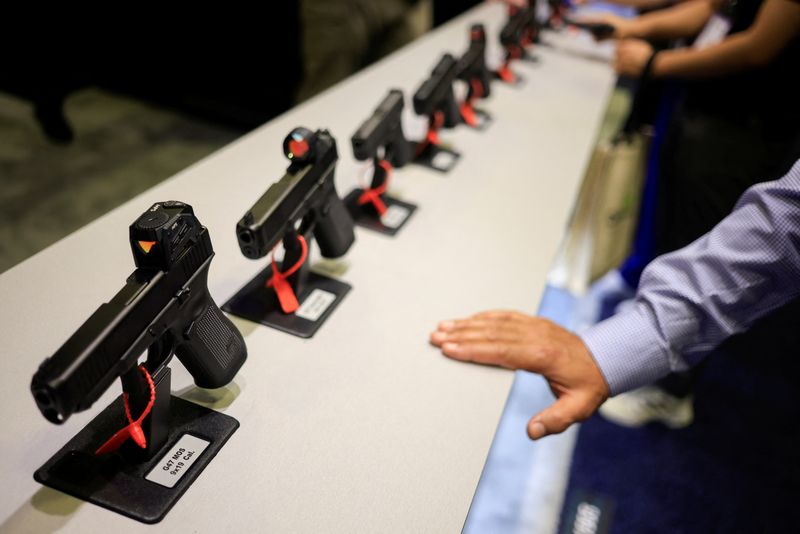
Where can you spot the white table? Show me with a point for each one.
(365, 427)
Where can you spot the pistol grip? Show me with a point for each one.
(211, 348)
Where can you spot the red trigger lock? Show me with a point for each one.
(468, 114)
(134, 428)
(374, 195)
(506, 74)
(432, 137)
(278, 281)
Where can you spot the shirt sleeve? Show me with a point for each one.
(690, 300)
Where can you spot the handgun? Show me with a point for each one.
(164, 307)
(435, 95)
(384, 130)
(521, 30)
(472, 65)
(305, 195)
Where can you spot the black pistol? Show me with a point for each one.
(435, 96)
(300, 206)
(306, 195)
(521, 30)
(384, 129)
(164, 308)
(472, 65)
(380, 139)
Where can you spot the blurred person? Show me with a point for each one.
(340, 37)
(736, 124)
(687, 303)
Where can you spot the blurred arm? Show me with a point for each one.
(777, 23)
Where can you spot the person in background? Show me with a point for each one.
(340, 37)
(687, 303)
(736, 124)
(640, 5)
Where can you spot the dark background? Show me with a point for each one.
(238, 68)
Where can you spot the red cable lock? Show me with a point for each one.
(432, 137)
(467, 111)
(286, 296)
(506, 74)
(374, 195)
(134, 428)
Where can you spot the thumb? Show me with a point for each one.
(557, 417)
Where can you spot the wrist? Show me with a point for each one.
(600, 388)
(636, 29)
(657, 65)
(621, 26)
(627, 350)
(663, 64)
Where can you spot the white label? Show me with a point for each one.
(443, 160)
(178, 460)
(395, 216)
(587, 519)
(713, 32)
(315, 305)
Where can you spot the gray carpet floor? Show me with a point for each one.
(122, 147)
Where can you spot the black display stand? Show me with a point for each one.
(529, 57)
(258, 303)
(435, 156)
(367, 217)
(484, 119)
(117, 481)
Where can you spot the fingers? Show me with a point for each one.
(509, 353)
(560, 415)
(500, 315)
(502, 354)
(622, 57)
(487, 326)
(491, 315)
(500, 337)
(455, 329)
(485, 333)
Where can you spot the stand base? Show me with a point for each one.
(125, 483)
(396, 216)
(318, 298)
(483, 119)
(436, 157)
(518, 80)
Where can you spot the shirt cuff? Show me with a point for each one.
(628, 350)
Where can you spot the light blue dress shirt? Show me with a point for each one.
(690, 300)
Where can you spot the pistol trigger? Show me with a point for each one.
(183, 295)
(187, 334)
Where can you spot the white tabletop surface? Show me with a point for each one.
(365, 427)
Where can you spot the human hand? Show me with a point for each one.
(518, 341)
(622, 27)
(632, 56)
